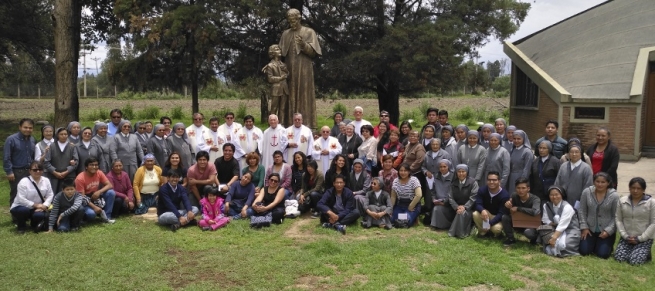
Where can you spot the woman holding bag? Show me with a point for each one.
(33, 198)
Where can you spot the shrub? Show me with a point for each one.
(98, 114)
(502, 84)
(413, 114)
(177, 112)
(128, 112)
(339, 107)
(150, 112)
(241, 111)
(465, 113)
(221, 112)
(423, 108)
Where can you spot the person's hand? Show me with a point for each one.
(604, 234)
(325, 152)
(11, 177)
(428, 174)
(585, 232)
(485, 215)
(508, 204)
(351, 156)
(37, 206)
(301, 200)
(333, 217)
(211, 221)
(410, 209)
(138, 202)
(292, 145)
(461, 209)
(244, 212)
(72, 162)
(130, 205)
(192, 181)
(183, 220)
(214, 148)
(257, 190)
(435, 202)
(190, 216)
(59, 219)
(297, 39)
(226, 209)
(95, 195)
(632, 240)
(514, 209)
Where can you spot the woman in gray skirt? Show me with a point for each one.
(463, 191)
(128, 148)
(442, 212)
(378, 206)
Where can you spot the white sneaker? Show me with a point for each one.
(110, 221)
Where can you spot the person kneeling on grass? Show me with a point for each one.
(490, 206)
(99, 194)
(525, 202)
(67, 210)
(337, 206)
(171, 195)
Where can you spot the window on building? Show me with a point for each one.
(527, 92)
(589, 113)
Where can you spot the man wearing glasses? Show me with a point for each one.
(116, 117)
(199, 136)
(326, 148)
(300, 139)
(490, 206)
(384, 116)
(229, 128)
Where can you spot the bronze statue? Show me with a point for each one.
(276, 74)
(299, 46)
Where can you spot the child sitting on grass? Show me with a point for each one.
(67, 210)
(212, 214)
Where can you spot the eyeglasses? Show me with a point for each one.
(326, 131)
(274, 180)
(36, 170)
(86, 133)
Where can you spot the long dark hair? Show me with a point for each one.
(294, 166)
(333, 165)
(306, 177)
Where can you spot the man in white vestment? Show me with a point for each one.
(326, 148)
(217, 140)
(248, 139)
(229, 128)
(300, 139)
(275, 139)
(198, 134)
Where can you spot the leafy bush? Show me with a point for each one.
(465, 113)
(128, 112)
(219, 90)
(414, 114)
(502, 84)
(241, 111)
(177, 112)
(221, 112)
(150, 112)
(98, 114)
(339, 107)
(423, 108)
(150, 95)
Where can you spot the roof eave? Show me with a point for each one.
(539, 76)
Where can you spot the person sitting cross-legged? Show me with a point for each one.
(490, 206)
(525, 202)
(337, 206)
(99, 192)
(171, 197)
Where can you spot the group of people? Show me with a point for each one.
(453, 177)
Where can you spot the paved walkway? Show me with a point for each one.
(644, 168)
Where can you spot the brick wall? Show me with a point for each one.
(533, 122)
(622, 124)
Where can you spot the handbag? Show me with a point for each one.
(44, 224)
(261, 220)
(545, 233)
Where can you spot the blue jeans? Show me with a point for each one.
(593, 244)
(237, 211)
(411, 215)
(168, 218)
(109, 197)
(71, 221)
(22, 214)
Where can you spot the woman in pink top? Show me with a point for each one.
(124, 201)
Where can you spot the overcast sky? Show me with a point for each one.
(542, 14)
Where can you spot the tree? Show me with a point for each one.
(177, 40)
(494, 70)
(390, 47)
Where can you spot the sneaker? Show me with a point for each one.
(509, 242)
(206, 228)
(175, 227)
(75, 229)
(238, 216)
(103, 215)
(365, 224)
(341, 228)
(326, 225)
(315, 214)
(110, 221)
(193, 222)
(388, 227)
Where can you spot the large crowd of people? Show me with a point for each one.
(447, 177)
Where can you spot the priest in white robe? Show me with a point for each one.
(198, 134)
(218, 139)
(248, 140)
(275, 139)
(229, 128)
(326, 148)
(300, 139)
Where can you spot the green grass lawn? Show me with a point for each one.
(134, 254)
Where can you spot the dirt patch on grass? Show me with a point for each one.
(429, 286)
(179, 275)
(296, 232)
(529, 283)
(481, 287)
(310, 283)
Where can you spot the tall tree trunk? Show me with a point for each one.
(388, 96)
(67, 19)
